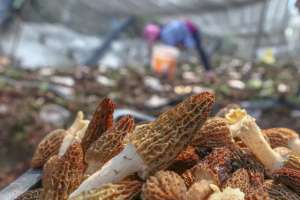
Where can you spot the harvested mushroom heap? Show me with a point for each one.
(285, 168)
(153, 146)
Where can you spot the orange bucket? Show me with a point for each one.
(164, 60)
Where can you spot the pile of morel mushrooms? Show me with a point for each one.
(183, 155)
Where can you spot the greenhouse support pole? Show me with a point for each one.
(99, 52)
(260, 31)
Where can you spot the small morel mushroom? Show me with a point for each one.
(201, 190)
(154, 146)
(215, 168)
(185, 160)
(122, 190)
(47, 148)
(108, 145)
(283, 137)
(239, 179)
(101, 121)
(35, 194)
(58, 141)
(289, 177)
(242, 179)
(215, 132)
(63, 174)
(278, 191)
(165, 185)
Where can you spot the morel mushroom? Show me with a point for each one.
(283, 137)
(215, 132)
(244, 127)
(215, 168)
(286, 168)
(52, 143)
(108, 145)
(63, 174)
(154, 146)
(165, 185)
(123, 190)
(47, 148)
(101, 121)
(278, 191)
(185, 160)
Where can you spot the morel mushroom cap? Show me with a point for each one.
(35, 194)
(242, 179)
(108, 145)
(63, 174)
(283, 137)
(122, 190)
(289, 177)
(155, 145)
(200, 190)
(165, 185)
(47, 148)
(185, 160)
(278, 191)
(215, 132)
(101, 121)
(239, 179)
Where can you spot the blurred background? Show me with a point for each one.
(61, 56)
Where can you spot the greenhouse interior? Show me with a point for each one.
(150, 100)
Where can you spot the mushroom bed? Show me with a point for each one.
(185, 154)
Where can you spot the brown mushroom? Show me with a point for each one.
(108, 145)
(58, 141)
(63, 174)
(101, 121)
(47, 148)
(215, 132)
(165, 185)
(283, 137)
(278, 191)
(185, 160)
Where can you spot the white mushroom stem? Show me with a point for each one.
(248, 131)
(125, 163)
(74, 133)
(295, 145)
